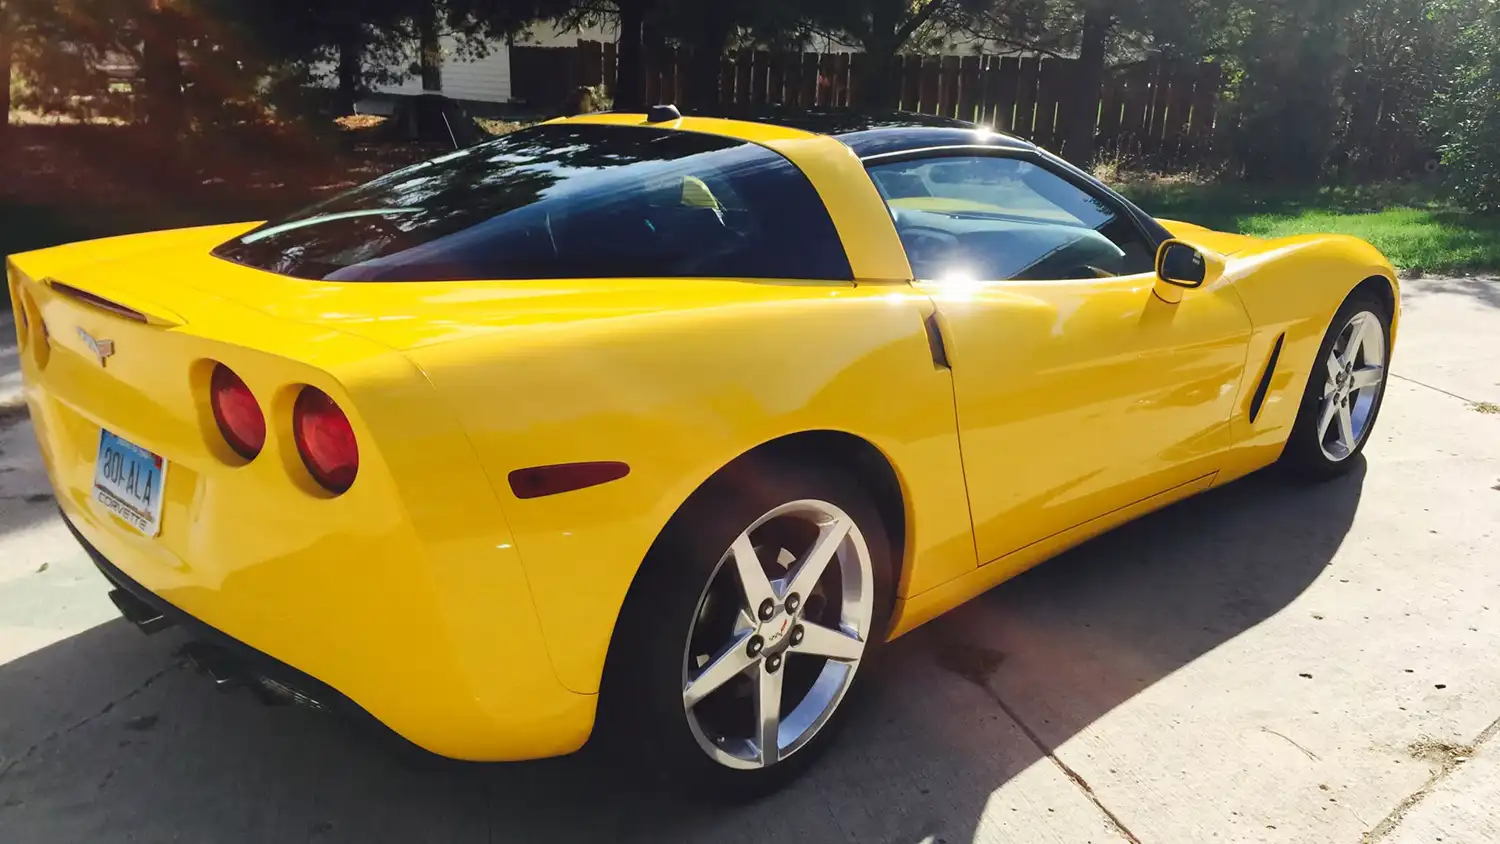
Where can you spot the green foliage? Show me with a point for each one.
(1291, 60)
(1467, 107)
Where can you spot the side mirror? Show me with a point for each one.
(1181, 266)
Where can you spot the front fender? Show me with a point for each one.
(678, 392)
(1291, 288)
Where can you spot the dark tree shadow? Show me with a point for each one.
(926, 748)
(1481, 290)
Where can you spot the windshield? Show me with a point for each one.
(565, 201)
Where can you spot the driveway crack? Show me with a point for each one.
(976, 665)
(1450, 759)
(82, 722)
(1067, 770)
(1430, 387)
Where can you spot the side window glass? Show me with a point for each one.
(997, 219)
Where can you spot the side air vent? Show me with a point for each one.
(1265, 379)
(935, 342)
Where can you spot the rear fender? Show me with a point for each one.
(679, 394)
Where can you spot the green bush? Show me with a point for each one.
(1469, 106)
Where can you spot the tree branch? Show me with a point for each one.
(916, 21)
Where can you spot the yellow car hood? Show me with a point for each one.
(1223, 243)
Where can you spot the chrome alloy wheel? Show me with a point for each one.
(1355, 377)
(778, 634)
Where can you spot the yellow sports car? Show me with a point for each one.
(662, 423)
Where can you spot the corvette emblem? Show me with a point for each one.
(102, 349)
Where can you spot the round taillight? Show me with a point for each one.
(325, 439)
(237, 412)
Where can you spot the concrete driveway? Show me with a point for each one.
(1266, 663)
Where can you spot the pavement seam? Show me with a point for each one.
(1067, 771)
(1389, 823)
(56, 734)
(1430, 387)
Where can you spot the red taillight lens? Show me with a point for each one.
(238, 414)
(325, 439)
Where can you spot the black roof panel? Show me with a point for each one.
(872, 132)
(870, 142)
(826, 121)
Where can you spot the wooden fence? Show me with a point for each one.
(1151, 109)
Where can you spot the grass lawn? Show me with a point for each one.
(1417, 231)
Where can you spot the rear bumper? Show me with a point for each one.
(405, 594)
(433, 697)
(151, 613)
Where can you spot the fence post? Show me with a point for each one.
(758, 61)
(726, 78)
(969, 68)
(1007, 81)
(948, 85)
(1026, 85)
(1107, 135)
(1157, 108)
(1205, 106)
(742, 74)
(807, 82)
(1051, 81)
(610, 68)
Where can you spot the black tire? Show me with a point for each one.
(642, 717)
(1304, 456)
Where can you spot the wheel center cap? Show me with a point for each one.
(776, 630)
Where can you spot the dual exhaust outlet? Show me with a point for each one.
(227, 671)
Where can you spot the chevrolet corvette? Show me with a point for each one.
(662, 425)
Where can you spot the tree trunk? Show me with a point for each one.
(1082, 119)
(878, 87)
(431, 47)
(7, 42)
(630, 83)
(162, 66)
(700, 86)
(351, 68)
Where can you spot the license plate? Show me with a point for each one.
(128, 481)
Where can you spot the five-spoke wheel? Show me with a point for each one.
(779, 632)
(1345, 390)
(1356, 375)
(743, 634)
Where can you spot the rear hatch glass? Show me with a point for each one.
(565, 201)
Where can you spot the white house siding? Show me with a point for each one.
(545, 35)
(486, 79)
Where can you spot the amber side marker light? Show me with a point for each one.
(539, 481)
(237, 413)
(325, 440)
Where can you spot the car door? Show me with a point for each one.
(1079, 391)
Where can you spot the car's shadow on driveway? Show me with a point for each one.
(929, 744)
